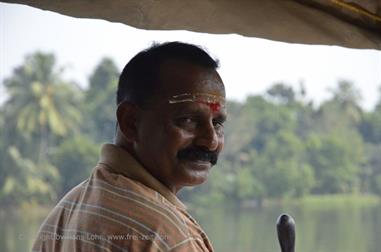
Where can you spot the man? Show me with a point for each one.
(171, 110)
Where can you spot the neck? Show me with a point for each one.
(122, 142)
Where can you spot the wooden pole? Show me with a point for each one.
(286, 233)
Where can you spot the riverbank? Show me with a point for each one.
(334, 200)
(309, 201)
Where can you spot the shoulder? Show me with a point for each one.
(118, 213)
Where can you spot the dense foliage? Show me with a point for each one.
(277, 145)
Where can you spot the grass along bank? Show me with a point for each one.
(335, 200)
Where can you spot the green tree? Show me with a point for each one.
(348, 96)
(370, 128)
(41, 108)
(336, 149)
(75, 158)
(280, 93)
(282, 168)
(336, 159)
(28, 182)
(342, 111)
(44, 104)
(100, 101)
(371, 170)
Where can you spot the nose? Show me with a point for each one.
(207, 137)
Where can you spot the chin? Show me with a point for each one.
(196, 177)
(192, 173)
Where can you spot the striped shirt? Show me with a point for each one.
(121, 207)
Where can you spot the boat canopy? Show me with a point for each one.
(353, 24)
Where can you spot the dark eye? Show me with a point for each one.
(218, 124)
(185, 121)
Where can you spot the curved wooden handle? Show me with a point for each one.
(286, 233)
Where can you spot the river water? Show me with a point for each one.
(339, 228)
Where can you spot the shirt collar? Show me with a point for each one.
(121, 161)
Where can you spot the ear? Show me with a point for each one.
(126, 114)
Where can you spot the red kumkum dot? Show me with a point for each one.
(214, 106)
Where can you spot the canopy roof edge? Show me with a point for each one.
(354, 24)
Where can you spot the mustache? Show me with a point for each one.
(195, 153)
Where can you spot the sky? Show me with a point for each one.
(248, 65)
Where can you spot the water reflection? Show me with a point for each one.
(333, 229)
(339, 228)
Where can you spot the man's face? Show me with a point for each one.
(179, 139)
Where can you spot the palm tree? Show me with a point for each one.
(43, 104)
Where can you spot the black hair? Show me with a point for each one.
(138, 80)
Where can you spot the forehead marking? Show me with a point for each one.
(214, 106)
(214, 102)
